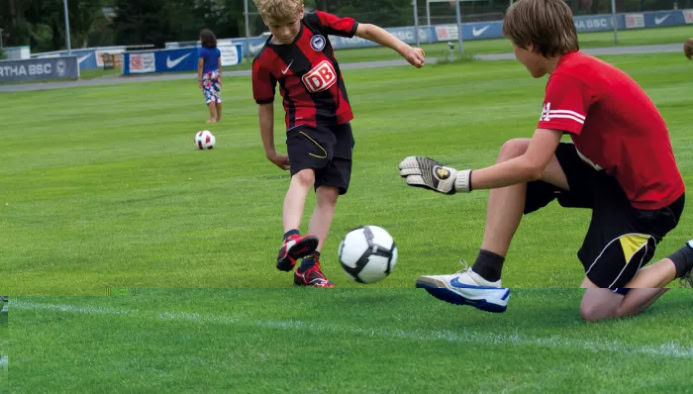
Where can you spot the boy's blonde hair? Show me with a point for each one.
(546, 24)
(279, 10)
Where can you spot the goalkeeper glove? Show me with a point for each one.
(427, 173)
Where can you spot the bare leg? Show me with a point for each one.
(600, 304)
(218, 105)
(295, 199)
(321, 220)
(506, 205)
(212, 112)
(656, 275)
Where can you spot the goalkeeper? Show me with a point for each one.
(620, 165)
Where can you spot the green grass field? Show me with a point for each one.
(103, 187)
(342, 341)
(102, 190)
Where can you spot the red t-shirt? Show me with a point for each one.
(615, 127)
(307, 72)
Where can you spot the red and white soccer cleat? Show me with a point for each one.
(312, 277)
(295, 247)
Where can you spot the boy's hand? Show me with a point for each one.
(416, 57)
(688, 48)
(281, 161)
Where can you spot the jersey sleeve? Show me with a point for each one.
(336, 26)
(566, 104)
(263, 84)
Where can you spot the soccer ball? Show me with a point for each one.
(205, 139)
(368, 254)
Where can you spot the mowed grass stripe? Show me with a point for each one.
(556, 342)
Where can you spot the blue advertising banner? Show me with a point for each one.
(594, 23)
(255, 45)
(494, 29)
(86, 58)
(39, 69)
(665, 18)
(174, 60)
(486, 30)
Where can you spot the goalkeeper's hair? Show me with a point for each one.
(688, 48)
(546, 24)
(279, 10)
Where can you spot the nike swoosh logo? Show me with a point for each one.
(659, 20)
(83, 58)
(477, 33)
(288, 67)
(456, 283)
(256, 48)
(173, 63)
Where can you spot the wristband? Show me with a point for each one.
(463, 181)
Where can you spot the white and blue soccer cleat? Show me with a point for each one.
(466, 288)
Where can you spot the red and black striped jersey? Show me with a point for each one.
(307, 72)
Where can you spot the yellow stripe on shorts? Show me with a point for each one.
(632, 243)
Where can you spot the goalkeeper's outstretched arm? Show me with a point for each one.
(428, 173)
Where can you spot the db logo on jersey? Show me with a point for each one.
(320, 78)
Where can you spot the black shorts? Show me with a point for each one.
(620, 239)
(327, 150)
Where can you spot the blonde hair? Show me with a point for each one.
(279, 10)
(546, 24)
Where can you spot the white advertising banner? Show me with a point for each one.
(142, 63)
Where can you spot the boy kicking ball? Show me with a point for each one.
(299, 57)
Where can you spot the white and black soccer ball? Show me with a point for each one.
(205, 140)
(368, 254)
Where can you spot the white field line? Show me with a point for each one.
(670, 349)
(3, 361)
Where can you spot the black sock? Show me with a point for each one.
(290, 233)
(309, 261)
(683, 260)
(488, 265)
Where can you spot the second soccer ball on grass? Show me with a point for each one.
(368, 254)
(205, 140)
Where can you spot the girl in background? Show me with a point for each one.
(209, 73)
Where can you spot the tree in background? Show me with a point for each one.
(143, 22)
(41, 23)
(158, 21)
(388, 13)
(16, 28)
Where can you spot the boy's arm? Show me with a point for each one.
(200, 65)
(415, 56)
(427, 173)
(688, 48)
(525, 168)
(266, 116)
